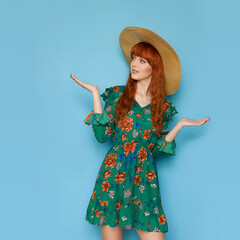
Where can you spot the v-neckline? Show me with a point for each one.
(141, 106)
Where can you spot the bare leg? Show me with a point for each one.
(144, 235)
(110, 233)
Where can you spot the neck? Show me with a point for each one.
(143, 88)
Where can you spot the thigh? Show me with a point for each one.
(110, 233)
(144, 235)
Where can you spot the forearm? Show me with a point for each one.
(97, 105)
(173, 133)
(100, 119)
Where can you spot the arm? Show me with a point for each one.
(166, 142)
(169, 137)
(97, 105)
(102, 121)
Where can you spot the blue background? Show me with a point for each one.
(50, 158)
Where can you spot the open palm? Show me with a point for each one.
(88, 86)
(191, 122)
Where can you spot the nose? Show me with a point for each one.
(135, 63)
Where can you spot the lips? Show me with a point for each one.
(135, 71)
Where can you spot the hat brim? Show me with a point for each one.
(130, 36)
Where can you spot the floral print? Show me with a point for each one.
(126, 191)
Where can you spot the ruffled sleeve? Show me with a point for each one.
(103, 123)
(97, 118)
(162, 145)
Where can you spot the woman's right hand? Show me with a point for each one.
(90, 87)
(97, 105)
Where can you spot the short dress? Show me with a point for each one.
(126, 191)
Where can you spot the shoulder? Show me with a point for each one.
(170, 109)
(112, 94)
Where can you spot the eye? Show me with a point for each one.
(133, 56)
(142, 61)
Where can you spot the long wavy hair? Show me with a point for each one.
(157, 86)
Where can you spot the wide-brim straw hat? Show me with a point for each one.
(171, 63)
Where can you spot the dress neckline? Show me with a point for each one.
(141, 106)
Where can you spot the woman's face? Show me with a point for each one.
(140, 68)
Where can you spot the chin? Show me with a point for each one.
(134, 78)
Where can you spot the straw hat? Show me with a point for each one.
(171, 63)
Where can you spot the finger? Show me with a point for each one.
(205, 121)
(201, 122)
(76, 79)
(73, 77)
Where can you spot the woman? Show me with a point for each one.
(126, 192)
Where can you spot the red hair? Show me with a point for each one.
(157, 86)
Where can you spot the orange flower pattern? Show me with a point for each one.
(126, 192)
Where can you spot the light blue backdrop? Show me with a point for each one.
(50, 158)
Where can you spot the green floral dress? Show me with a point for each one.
(126, 191)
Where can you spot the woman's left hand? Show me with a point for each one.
(184, 122)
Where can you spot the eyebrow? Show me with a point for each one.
(139, 57)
